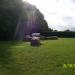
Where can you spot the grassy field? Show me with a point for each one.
(19, 58)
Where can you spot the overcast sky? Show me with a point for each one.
(60, 14)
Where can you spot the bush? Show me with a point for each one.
(49, 38)
(53, 38)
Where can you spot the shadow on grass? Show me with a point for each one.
(5, 52)
(7, 62)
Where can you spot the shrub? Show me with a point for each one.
(49, 38)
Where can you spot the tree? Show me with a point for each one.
(9, 13)
(32, 22)
(42, 23)
(51, 30)
(67, 30)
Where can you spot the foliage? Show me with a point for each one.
(67, 30)
(9, 13)
(59, 34)
(43, 26)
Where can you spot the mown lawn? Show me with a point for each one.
(19, 58)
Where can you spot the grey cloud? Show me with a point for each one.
(57, 0)
(73, 28)
(67, 18)
(69, 23)
(73, 1)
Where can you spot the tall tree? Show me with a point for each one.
(42, 23)
(9, 13)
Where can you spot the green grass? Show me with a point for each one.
(19, 58)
